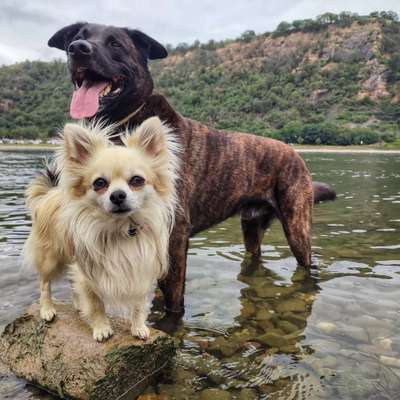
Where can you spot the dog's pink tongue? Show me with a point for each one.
(85, 100)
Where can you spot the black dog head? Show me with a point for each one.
(108, 67)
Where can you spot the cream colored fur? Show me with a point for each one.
(74, 224)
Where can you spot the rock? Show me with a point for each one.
(374, 349)
(248, 394)
(267, 290)
(173, 392)
(355, 333)
(224, 346)
(215, 394)
(326, 327)
(383, 344)
(298, 319)
(248, 309)
(390, 361)
(266, 325)
(243, 336)
(287, 326)
(326, 346)
(294, 305)
(273, 339)
(329, 362)
(263, 314)
(63, 358)
(369, 370)
(289, 349)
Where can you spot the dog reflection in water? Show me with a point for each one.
(108, 210)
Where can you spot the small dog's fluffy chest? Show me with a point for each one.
(120, 268)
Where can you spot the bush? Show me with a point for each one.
(327, 134)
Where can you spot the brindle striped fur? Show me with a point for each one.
(222, 173)
(227, 173)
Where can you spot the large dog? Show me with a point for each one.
(221, 174)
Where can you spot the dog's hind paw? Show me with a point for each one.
(48, 313)
(102, 333)
(142, 332)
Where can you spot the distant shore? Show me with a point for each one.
(298, 148)
(22, 147)
(345, 149)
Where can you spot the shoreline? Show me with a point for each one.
(299, 149)
(345, 150)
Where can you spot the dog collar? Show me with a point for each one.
(128, 117)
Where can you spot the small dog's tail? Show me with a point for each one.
(40, 186)
(323, 192)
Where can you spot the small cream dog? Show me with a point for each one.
(109, 217)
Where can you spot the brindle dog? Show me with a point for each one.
(222, 173)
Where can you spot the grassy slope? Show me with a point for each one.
(264, 85)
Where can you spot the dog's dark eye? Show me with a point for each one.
(99, 183)
(136, 181)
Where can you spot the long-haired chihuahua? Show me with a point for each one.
(108, 217)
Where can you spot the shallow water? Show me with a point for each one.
(271, 330)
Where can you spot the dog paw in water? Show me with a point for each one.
(102, 333)
(48, 313)
(142, 332)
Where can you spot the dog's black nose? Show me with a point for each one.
(80, 48)
(118, 197)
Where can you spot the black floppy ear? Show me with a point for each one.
(150, 48)
(62, 38)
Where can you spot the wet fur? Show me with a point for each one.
(68, 226)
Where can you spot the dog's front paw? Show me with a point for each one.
(142, 332)
(47, 313)
(103, 332)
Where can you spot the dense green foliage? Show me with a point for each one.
(34, 98)
(302, 89)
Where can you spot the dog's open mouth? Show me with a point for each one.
(91, 90)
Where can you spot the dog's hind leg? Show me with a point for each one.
(48, 270)
(296, 216)
(255, 219)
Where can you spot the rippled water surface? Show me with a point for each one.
(269, 330)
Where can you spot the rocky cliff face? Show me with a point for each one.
(297, 51)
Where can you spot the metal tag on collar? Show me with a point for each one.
(132, 231)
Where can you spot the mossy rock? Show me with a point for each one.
(215, 394)
(64, 359)
(294, 305)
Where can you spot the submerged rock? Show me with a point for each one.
(294, 305)
(224, 346)
(248, 394)
(273, 339)
(215, 394)
(390, 361)
(287, 326)
(63, 358)
(326, 327)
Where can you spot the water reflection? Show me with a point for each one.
(267, 329)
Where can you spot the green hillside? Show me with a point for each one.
(332, 80)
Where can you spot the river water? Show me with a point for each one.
(271, 330)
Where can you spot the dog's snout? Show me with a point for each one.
(80, 48)
(118, 197)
